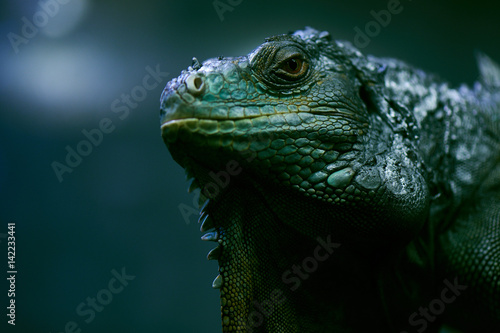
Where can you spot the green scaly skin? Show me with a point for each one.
(346, 193)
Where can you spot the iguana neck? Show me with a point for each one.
(274, 278)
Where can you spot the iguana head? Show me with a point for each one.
(293, 143)
(307, 114)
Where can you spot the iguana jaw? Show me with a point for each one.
(341, 174)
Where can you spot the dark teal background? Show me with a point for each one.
(119, 207)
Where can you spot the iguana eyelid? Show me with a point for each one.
(297, 55)
(278, 70)
(285, 54)
(280, 63)
(294, 77)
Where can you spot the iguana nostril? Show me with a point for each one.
(195, 84)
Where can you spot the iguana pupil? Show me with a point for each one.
(293, 66)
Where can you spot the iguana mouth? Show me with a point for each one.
(187, 113)
(175, 107)
(219, 126)
(205, 127)
(191, 119)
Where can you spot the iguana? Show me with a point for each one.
(347, 193)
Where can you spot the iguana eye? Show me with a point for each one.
(293, 66)
(282, 66)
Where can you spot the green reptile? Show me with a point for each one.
(346, 193)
